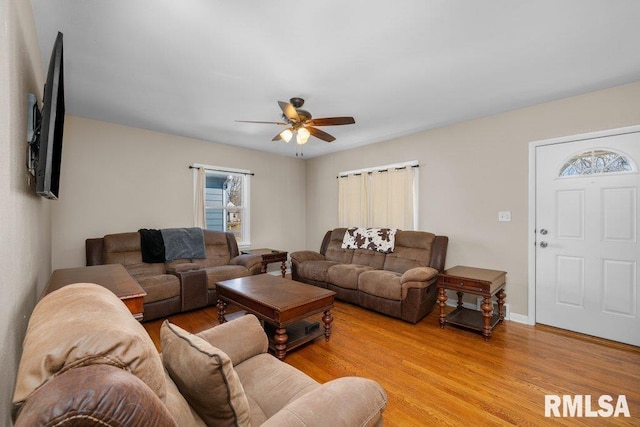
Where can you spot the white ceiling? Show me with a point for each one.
(193, 67)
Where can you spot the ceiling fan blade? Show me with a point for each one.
(277, 137)
(332, 121)
(320, 134)
(289, 112)
(268, 123)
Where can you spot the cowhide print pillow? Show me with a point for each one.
(374, 239)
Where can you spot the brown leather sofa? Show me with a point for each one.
(400, 284)
(178, 285)
(87, 361)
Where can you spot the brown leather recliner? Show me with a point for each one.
(87, 361)
(178, 285)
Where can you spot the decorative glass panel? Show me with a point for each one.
(596, 162)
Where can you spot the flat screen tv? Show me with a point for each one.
(49, 147)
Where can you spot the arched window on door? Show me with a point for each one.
(596, 161)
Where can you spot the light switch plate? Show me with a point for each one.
(504, 216)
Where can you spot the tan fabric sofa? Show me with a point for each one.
(401, 284)
(87, 361)
(178, 285)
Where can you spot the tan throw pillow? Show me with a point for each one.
(205, 377)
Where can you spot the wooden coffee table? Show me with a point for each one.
(282, 303)
(112, 276)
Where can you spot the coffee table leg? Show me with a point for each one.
(327, 319)
(281, 339)
(221, 307)
(283, 268)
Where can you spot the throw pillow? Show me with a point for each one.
(205, 377)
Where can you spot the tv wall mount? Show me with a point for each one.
(34, 123)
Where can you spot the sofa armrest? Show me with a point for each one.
(418, 277)
(94, 251)
(326, 405)
(240, 339)
(253, 263)
(418, 274)
(302, 256)
(93, 395)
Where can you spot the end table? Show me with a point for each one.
(476, 281)
(269, 256)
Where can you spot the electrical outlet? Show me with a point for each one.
(504, 216)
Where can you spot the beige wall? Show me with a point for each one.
(117, 178)
(471, 171)
(25, 242)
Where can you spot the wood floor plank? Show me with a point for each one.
(451, 376)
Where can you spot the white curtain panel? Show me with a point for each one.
(198, 199)
(392, 195)
(383, 199)
(353, 194)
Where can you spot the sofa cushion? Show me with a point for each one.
(57, 341)
(315, 270)
(224, 272)
(178, 407)
(381, 283)
(122, 248)
(254, 340)
(141, 270)
(373, 259)
(346, 275)
(413, 249)
(216, 249)
(160, 287)
(334, 251)
(272, 384)
(205, 377)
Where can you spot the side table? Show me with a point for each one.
(269, 256)
(112, 276)
(476, 281)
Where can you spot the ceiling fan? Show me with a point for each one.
(301, 123)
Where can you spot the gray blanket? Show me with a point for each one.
(183, 243)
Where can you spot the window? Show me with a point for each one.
(384, 196)
(596, 162)
(222, 201)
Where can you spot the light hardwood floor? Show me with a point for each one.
(450, 376)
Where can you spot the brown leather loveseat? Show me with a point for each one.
(87, 361)
(178, 285)
(401, 283)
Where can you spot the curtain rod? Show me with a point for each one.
(381, 170)
(221, 170)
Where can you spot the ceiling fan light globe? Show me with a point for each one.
(303, 136)
(286, 135)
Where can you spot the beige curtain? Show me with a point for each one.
(392, 198)
(353, 195)
(198, 197)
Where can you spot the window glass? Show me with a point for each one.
(225, 203)
(596, 162)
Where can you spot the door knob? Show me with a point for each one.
(543, 244)
(543, 231)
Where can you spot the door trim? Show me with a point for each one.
(531, 240)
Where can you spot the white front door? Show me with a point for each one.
(587, 250)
